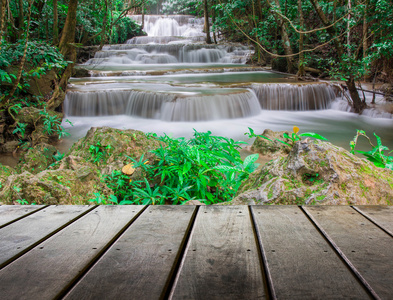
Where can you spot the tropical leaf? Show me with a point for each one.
(250, 160)
(313, 135)
(282, 142)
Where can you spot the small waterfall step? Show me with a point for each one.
(171, 25)
(179, 104)
(165, 40)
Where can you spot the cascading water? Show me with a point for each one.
(171, 81)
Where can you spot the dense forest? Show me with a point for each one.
(41, 42)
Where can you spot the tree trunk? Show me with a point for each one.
(3, 4)
(214, 21)
(207, 27)
(286, 42)
(67, 39)
(105, 21)
(358, 104)
(301, 72)
(143, 15)
(55, 24)
(348, 29)
(365, 44)
(23, 60)
(21, 18)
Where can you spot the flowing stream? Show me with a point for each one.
(172, 82)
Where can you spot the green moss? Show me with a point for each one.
(366, 169)
(320, 198)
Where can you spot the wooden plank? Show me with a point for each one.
(301, 264)
(19, 237)
(222, 260)
(140, 264)
(366, 246)
(11, 213)
(379, 214)
(48, 269)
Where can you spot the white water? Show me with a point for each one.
(173, 84)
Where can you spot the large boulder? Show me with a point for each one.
(80, 174)
(111, 148)
(272, 147)
(37, 159)
(317, 172)
(5, 172)
(53, 187)
(39, 123)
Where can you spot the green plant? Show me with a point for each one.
(294, 137)
(52, 124)
(204, 167)
(22, 202)
(99, 152)
(58, 156)
(377, 155)
(20, 128)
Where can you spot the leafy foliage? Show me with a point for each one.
(377, 154)
(294, 137)
(40, 56)
(203, 167)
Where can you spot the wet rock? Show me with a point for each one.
(35, 118)
(80, 174)
(110, 148)
(42, 86)
(37, 159)
(5, 172)
(317, 172)
(388, 90)
(80, 72)
(9, 147)
(85, 53)
(32, 115)
(53, 187)
(271, 148)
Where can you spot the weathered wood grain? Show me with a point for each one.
(301, 263)
(10, 213)
(140, 263)
(366, 246)
(381, 215)
(18, 237)
(48, 269)
(222, 260)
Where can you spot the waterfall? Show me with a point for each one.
(294, 97)
(167, 106)
(129, 54)
(173, 45)
(139, 40)
(155, 25)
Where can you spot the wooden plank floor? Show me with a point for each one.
(196, 252)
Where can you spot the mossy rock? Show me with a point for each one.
(53, 187)
(271, 148)
(9, 147)
(317, 172)
(110, 148)
(5, 172)
(35, 128)
(37, 159)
